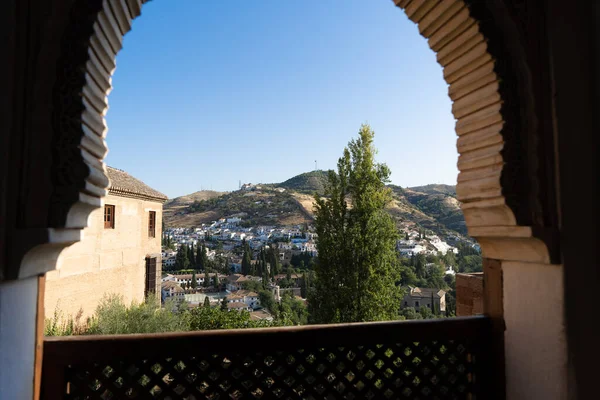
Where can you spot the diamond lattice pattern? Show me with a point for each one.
(420, 370)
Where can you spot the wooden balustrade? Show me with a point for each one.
(442, 358)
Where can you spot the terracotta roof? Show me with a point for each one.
(123, 184)
(171, 285)
(246, 293)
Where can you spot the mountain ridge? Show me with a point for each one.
(433, 207)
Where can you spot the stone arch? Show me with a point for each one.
(492, 104)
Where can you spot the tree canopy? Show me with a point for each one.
(357, 271)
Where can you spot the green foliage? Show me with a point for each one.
(426, 312)
(60, 325)
(206, 282)
(267, 301)
(309, 182)
(114, 317)
(357, 272)
(410, 313)
(206, 302)
(194, 281)
(253, 286)
(224, 305)
(246, 259)
(203, 318)
(468, 259)
(302, 260)
(181, 259)
(292, 311)
(304, 286)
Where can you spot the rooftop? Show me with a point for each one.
(123, 184)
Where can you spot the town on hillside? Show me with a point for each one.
(261, 268)
(231, 264)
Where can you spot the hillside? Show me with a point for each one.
(308, 182)
(435, 189)
(258, 207)
(432, 207)
(178, 205)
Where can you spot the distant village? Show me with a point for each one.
(223, 242)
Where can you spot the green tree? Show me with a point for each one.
(304, 287)
(267, 301)
(410, 313)
(216, 281)
(426, 312)
(194, 282)
(357, 270)
(191, 254)
(224, 304)
(206, 282)
(246, 259)
(181, 259)
(206, 302)
(265, 278)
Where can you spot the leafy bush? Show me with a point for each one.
(204, 319)
(60, 326)
(112, 316)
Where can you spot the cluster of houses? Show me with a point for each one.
(177, 287)
(231, 236)
(414, 243)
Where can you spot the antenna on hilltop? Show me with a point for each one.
(316, 165)
(240, 184)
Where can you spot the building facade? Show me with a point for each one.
(120, 252)
(434, 299)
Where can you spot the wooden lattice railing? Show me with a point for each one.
(430, 359)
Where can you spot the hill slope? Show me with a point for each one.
(432, 207)
(308, 182)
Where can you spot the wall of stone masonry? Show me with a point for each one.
(106, 260)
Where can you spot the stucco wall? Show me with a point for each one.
(535, 336)
(106, 260)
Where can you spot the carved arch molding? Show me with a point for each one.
(507, 207)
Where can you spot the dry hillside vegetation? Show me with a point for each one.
(432, 207)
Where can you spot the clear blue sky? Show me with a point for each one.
(210, 92)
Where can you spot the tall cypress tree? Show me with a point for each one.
(191, 254)
(304, 287)
(265, 278)
(181, 259)
(246, 259)
(194, 282)
(357, 270)
(206, 282)
(199, 252)
(206, 302)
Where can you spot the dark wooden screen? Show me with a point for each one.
(427, 359)
(152, 224)
(109, 216)
(150, 276)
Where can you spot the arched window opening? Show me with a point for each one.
(189, 121)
